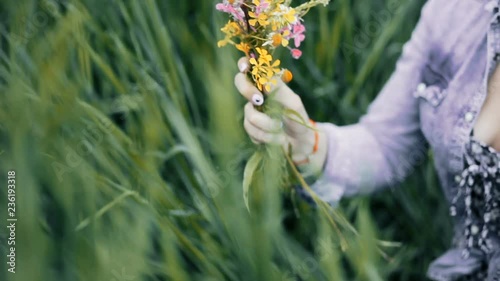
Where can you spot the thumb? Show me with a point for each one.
(286, 97)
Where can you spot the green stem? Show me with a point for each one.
(84, 223)
(319, 202)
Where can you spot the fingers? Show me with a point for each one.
(247, 89)
(262, 128)
(285, 96)
(243, 65)
(261, 120)
(259, 136)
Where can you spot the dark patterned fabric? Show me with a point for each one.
(479, 192)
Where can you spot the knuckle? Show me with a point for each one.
(236, 79)
(254, 119)
(296, 102)
(241, 83)
(260, 136)
(254, 140)
(247, 109)
(246, 125)
(238, 82)
(283, 88)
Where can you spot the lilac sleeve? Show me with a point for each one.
(383, 148)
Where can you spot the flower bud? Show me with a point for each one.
(287, 76)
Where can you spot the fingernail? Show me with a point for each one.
(257, 99)
(243, 67)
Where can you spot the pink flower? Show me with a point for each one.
(236, 12)
(296, 53)
(261, 7)
(298, 34)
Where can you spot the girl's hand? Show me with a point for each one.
(263, 129)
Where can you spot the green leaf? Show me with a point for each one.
(250, 168)
(290, 114)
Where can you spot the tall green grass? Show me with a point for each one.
(125, 131)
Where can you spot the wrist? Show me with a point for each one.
(305, 145)
(319, 158)
(317, 145)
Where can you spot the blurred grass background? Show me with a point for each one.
(125, 131)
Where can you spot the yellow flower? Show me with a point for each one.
(244, 47)
(264, 56)
(264, 69)
(290, 17)
(222, 43)
(262, 19)
(279, 39)
(231, 29)
(273, 68)
(258, 74)
(283, 16)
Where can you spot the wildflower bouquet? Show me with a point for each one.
(259, 27)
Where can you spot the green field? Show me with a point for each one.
(124, 129)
